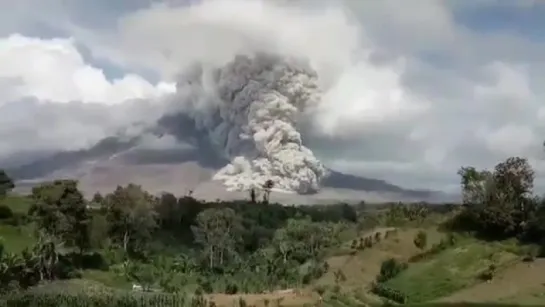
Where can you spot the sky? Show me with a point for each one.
(412, 92)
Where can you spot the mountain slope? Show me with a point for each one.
(181, 169)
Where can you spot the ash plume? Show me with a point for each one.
(249, 109)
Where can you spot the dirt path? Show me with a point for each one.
(517, 279)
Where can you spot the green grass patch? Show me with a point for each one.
(17, 203)
(449, 271)
(107, 278)
(16, 238)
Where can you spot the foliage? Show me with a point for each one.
(105, 300)
(5, 212)
(421, 240)
(499, 204)
(218, 232)
(389, 293)
(131, 218)
(6, 183)
(59, 211)
(389, 269)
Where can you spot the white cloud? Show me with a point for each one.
(52, 99)
(411, 94)
(54, 70)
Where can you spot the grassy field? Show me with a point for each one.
(451, 270)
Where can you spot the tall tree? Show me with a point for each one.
(60, 211)
(477, 185)
(217, 231)
(499, 202)
(131, 216)
(6, 183)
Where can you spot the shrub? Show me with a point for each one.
(389, 269)
(421, 240)
(88, 261)
(489, 273)
(320, 289)
(368, 242)
(205, 285)
(389, 293)
(231, 288)
(354, 244)
(5, 212)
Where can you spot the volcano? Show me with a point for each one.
(175, 158)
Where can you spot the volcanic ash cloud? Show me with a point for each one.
(249, 108)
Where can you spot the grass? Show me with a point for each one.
(536, 297)
(449, 271)
(107, 278)
(16, 238)
(17, 203)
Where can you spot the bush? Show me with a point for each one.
(489, 273)
(389, 269)
(5, 212)
(205, 285)
(389, 293)
(421, 240)
(368, 242)
(88, 261)
(231, 288)
(354, 244)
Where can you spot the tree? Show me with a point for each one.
(302, 239)
(217, 231)
(145, 275)
(477, 186)
(97, 200)
(59, 211)
(131, 216)
(168, 211)
(498, 203)
(267, 188)
(514, 180)
(98, 231)
(6, 183)
(253, 196)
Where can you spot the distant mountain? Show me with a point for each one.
(185, 162)
(115, 161)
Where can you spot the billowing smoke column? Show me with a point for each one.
(249, 108)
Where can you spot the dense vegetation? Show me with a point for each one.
(182, 249)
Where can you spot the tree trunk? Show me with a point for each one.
(211, 256)
(125, 241)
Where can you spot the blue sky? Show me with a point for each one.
(524, 20)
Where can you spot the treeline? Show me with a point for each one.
(168, 243)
